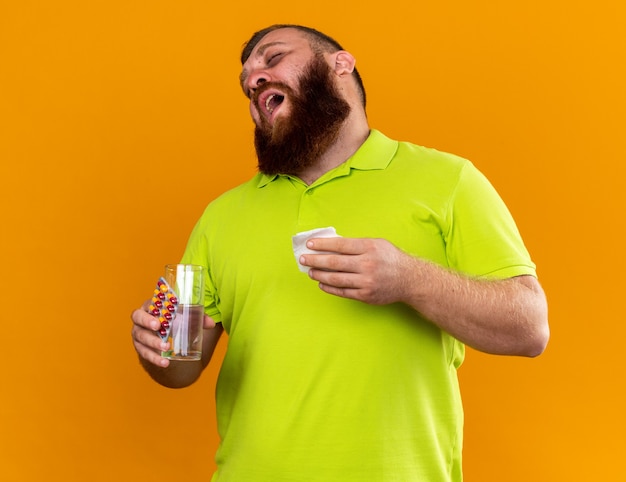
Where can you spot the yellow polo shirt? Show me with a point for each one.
(315, 387)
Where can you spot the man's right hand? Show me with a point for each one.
(148, 345)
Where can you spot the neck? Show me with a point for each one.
(352, 135)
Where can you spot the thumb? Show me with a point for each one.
(208, 322)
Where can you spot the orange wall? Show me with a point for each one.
(102, 101)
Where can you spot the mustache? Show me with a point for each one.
(269, 85)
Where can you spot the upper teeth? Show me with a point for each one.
(267, 103)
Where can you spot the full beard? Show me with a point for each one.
(297, 141)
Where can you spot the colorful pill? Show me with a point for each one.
(164, 302)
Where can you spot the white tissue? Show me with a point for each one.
(299, 243)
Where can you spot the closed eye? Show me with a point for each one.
(274, 58)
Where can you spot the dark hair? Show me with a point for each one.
(320, 42)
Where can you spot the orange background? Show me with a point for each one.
(102, 103)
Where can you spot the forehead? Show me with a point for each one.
(286, 37)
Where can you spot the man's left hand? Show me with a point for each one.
(365, 269)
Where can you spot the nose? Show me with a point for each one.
(256, 79)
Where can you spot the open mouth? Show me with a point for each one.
(272, 101)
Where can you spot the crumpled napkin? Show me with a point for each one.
(299, 243)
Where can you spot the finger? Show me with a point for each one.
(336, 279)
(208, 322)
(149, 345)
(337, 245)
(151, 356)
(342, 292)
(142, 318)
(148, 338)
(332, 262)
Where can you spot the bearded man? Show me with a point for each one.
(346, 369)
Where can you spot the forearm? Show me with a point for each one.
(507, 317)
(495, 316)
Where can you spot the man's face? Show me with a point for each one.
(294, 102)
(279, 57)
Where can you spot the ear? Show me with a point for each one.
(344, 63)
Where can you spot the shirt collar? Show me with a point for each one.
(375, 153)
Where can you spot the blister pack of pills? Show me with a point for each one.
(163, 306)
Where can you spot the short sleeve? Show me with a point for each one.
(483, 239)
(197, 252)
